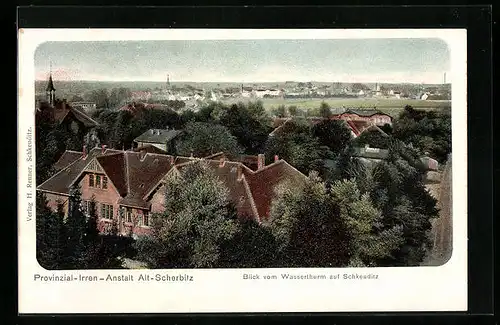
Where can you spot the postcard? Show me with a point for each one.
(238, 170)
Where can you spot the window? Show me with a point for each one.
(106, 211)
(128, 216)
(86, 206)
(145, 218)
(98, 181)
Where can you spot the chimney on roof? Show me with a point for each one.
(261, 161)
(222, 162)
(172, 160)
(103, 148)
(84, 151)
(152, 131)
(142, 154)
(276, 158)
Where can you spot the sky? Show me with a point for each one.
(342, 60)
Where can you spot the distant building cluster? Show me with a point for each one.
(194, 97)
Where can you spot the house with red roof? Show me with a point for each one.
(129, 186)
(356, 125)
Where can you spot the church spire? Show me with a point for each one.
(51, 90)
(50, 85)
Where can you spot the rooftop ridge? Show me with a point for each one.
(250, 197)
(272, 165)
(111, 153)
(155, 154)
(289, 165)
(230, 162)
(193, 160)
(84, 114)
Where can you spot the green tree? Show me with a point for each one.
(75, 230)
(252, 246)
(279, 111)
(369, 242)
(77, 98)
(325, 110)
(297, 146)
(125, 129)
(118, 96)
(198, 219)
(293, 110)
(50, 236)
(397, 189)
(305, 223)
(334, 134)
(100, 97)
(246, 126)
(427, 131)
(374, 139)
(203, 139)
(99, 251)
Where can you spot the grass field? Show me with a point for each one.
(386, 105)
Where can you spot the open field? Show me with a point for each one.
(386, 105)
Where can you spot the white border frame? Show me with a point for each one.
(442, 288)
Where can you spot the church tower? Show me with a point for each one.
(51, 91)
(168, 81)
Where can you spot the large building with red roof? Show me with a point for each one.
(129, 186)
(357, 121)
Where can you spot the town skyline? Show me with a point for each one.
(247, 61)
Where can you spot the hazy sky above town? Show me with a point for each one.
(346, 60)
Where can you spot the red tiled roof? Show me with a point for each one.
(353, 128)
(62, 180)
(360, 125)
(146, 173)
(228, 174)
(82, 117)
(67, 158)
(374, 127)
(114, 166)
(61, 110)
(136, 176)
(263, 182)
